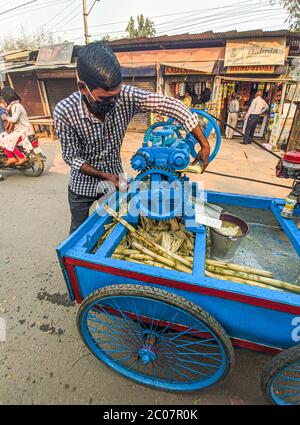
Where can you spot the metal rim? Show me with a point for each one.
(284, 387)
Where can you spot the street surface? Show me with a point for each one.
(43, 360)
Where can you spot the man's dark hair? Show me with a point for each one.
(9, 95)
(98, 66)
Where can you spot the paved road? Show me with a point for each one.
(43, 359)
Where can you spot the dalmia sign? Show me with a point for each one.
(255, 52)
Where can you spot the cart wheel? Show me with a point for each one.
(281, 378)
(155, 337)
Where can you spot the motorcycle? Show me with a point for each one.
(34, 166)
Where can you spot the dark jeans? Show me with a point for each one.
(250, 127)
(80, 208)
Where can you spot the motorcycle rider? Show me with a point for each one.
(22, 128)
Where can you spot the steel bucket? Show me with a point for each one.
(224, 247)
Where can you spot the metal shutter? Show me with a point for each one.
(58, 89)
(27, 89)
(141, 122)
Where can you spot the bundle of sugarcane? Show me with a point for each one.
(167, 245)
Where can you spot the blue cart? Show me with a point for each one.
(173, 330)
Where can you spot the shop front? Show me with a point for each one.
(245, 88)
(196, 85)
(251, 66)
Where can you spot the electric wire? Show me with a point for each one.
(30, 10)
(61, 23)
(166, 15)
(18, 7)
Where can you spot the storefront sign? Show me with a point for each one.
(172, 70)
(251, 69)
(255, 52)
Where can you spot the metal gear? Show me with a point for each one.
(139, 161)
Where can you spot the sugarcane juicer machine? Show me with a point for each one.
(161, 163)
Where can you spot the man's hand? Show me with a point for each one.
(203, 154)
(8, 126)
(120, 183)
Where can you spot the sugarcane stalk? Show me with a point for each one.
(149, 262)
(240, 280)
(238, 268)
(171, 263)
(125, 251)
(150, 244)
(255, 278)
(140, 257)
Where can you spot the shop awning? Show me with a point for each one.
(179, 68)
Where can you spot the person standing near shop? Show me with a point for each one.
(233, 113)
(257, 108)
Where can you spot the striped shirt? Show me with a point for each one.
(86, 139)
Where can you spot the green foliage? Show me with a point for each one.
(144, 27)
(293, 8)
(27, 41)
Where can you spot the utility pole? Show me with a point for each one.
(85, 22)
(85, 19)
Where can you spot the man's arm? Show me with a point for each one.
(153, 102)
(70, 144)
(264, 107)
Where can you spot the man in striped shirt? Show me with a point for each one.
(92, 122)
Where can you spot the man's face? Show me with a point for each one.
(100, 95)
(258, 93)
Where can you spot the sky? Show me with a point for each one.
(64, 17)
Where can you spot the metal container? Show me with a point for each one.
(224, 247)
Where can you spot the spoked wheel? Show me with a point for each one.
(155, 338)
(281, 378)
(34, 168)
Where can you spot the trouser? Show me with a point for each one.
(231, 120)
(14, 153)
(250, 127)
(79, 207)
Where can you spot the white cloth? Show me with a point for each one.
(22, 128)
(234, 106)
(257, 107)
(9, 141)
(18, 116)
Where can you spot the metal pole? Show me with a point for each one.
(85, 22)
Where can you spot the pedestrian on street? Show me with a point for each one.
(233, 114)
(91, 125)
(257, 108)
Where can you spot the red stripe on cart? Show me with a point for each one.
(74, 281)
(236, 342)
(246, 299)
